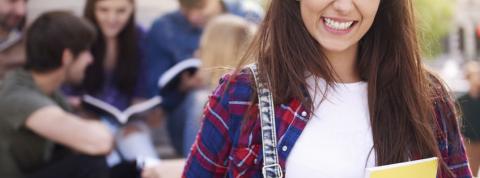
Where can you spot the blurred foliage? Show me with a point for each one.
(265, 3)
(434, 20)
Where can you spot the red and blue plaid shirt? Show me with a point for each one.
(229, 144)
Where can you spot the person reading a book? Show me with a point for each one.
(12, 21)
(174, 37)
(223, 42)
(115, 74)
(470, 106)
(116, 77)
(334, 87)
(39, 137)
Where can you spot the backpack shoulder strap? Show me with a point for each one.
(271, 167)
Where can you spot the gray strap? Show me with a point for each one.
(271, 167)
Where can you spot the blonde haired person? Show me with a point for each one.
(470, 106)
(224, 41)
(222, 44)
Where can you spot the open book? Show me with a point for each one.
(170, 80)
(122, 116)
(424, 168)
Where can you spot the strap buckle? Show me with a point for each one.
(278, 167)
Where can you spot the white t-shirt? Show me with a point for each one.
(337, 141)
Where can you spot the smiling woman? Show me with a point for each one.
(112, 16)
(349, 93)
(338, 25)
(119, 40)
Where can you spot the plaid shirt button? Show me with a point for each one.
(284, 148)
(304, 113)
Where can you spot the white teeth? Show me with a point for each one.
(337, 25)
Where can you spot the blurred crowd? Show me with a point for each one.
(49, 66)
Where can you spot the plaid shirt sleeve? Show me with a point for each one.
(448, 136)
(209, 155)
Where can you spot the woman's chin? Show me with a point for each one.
(332, 47)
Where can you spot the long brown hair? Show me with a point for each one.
(399, 93)
(127, 66)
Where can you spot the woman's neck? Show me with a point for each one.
(344, 64)
(110, 53)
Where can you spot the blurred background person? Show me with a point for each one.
(222, 44)
(12, 21)
(34, 115)
(470, 106)
(115, 77)
(174, 37)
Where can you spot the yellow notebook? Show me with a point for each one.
(424, 168)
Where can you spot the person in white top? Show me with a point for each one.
(366, 100)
